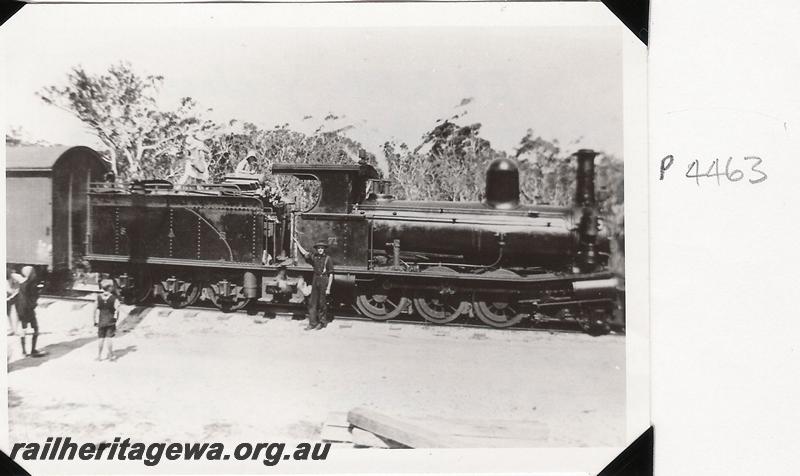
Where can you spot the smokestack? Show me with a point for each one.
(585, 199)
(584, 187)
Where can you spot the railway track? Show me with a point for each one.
(297, 311)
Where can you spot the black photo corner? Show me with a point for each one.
(635, 460)
(632, 13)
(9, 8)
(9, 467)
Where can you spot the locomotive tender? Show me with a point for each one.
(231, 243)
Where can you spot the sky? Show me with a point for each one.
(389, 80)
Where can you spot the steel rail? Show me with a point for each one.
(291, 308)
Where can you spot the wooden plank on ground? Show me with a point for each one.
(367, 438)
(403, 432)
(337, 419)
(336, 434)
(341, 446)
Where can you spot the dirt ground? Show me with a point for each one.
(189, 375)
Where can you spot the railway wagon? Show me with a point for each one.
(46, 205)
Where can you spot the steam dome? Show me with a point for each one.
(502, 184)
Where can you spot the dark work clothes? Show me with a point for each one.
(318, 304)
(26, 302)
(12, 290)
(323, 265)
(318, 300)
(106, 323)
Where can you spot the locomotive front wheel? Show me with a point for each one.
(381, 307)
(498, 313)
(181, 299)
(232, 304)
(498, 310)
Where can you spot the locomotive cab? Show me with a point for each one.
(341, 186)
(331, 219)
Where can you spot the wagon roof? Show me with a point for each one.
(38, 157)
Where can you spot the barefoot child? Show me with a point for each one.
(105, 318)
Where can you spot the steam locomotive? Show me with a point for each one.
(232, 243)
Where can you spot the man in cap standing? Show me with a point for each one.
(320, 285)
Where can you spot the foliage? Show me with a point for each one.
(453, 157)
(610, 181)
(405, 168)
(120, 108)
(17, 136)
(281, 144)
(546, 175)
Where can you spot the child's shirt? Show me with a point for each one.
(107, 307)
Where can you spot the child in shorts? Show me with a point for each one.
(105, 318)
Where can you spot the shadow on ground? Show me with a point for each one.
(134, 318)
(120, 353)
(53, 351)
(60, 349)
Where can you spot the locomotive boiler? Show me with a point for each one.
(496, 233)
